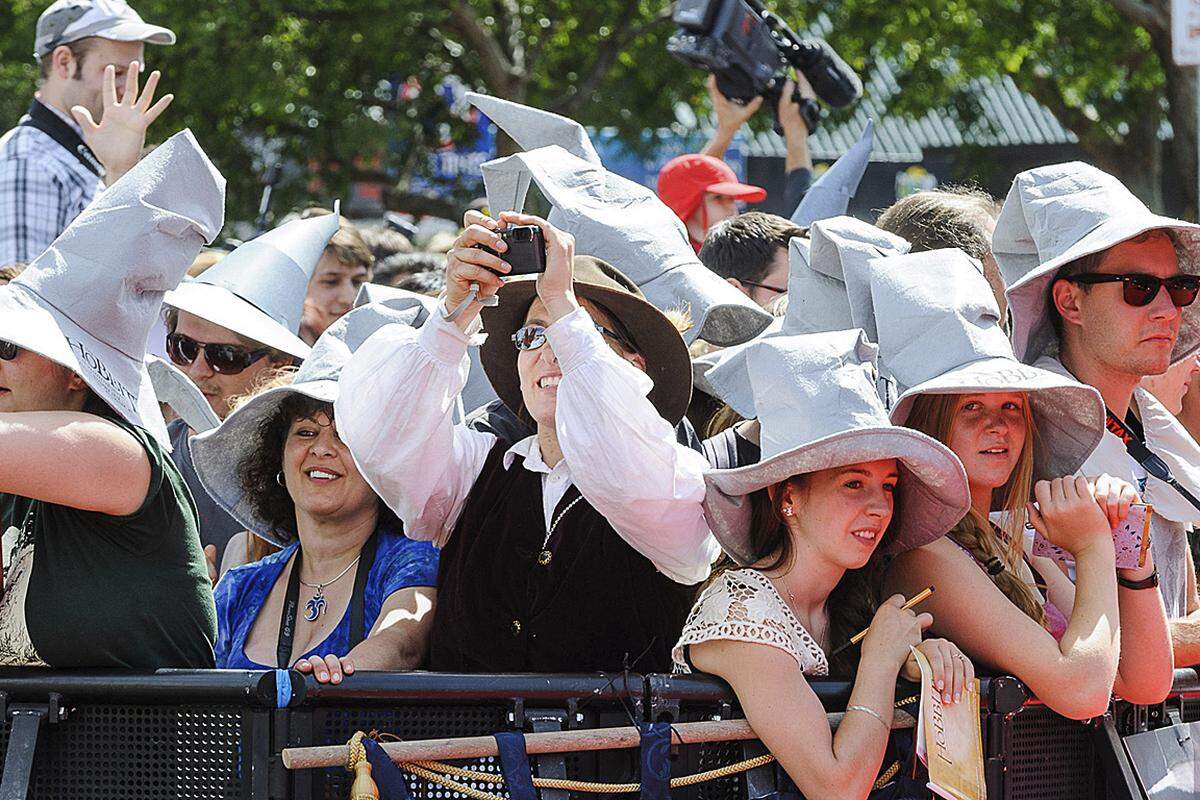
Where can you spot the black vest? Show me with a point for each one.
(584, 602)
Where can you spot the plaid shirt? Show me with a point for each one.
(43, 187)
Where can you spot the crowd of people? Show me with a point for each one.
(696, 440)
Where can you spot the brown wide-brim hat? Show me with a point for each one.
(653, 335)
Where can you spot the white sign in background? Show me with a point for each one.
(1185, 32)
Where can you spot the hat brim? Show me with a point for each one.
(222, 307)
(120, 381)
(720, 314)
(178, 391)
(219, 453)
(131, 31)
(932, 493)
(1068, 417)
(1029, 297)
(738, 191)
(655, 337)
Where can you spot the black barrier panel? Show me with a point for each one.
(424, 705)
(1048, 756)
(182, 734)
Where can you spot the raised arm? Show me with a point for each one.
(73, 459)
(1074, 676)
(394, 411)
(624, 457)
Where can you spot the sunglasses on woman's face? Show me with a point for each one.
(225, 359)
(1140, 290)
(8, 350)
(531, 337)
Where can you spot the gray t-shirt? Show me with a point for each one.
(216, 526)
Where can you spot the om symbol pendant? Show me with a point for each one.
(315, 606)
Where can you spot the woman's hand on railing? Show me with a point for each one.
(952, 671)
(327, 669)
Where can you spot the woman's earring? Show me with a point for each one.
(788, 511)
(279, 479)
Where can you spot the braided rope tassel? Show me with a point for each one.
(364, 787)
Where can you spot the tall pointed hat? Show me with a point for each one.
(1056, 214)
(532, 128)
(625, 224)
(258, 289)
(89, 301)
(831, 194)
(940, 333)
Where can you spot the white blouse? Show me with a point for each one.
(742, 605)
(394, 411)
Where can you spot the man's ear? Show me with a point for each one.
(735, 283)
(62, 62)
(1065, 296)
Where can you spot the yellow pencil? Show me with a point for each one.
(919, 597)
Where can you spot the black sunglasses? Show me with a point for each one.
(531, 337)
(1140, 290)
(766, 286)
(8, 350)
(225, 359)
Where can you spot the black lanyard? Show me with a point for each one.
(1154, 466)
(287, 620)
(53, 126)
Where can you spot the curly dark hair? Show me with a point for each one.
(264, 462)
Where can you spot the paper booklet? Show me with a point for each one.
(949, 741)
(1131, 538)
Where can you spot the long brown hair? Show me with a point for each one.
(855, 599)
(935, 415)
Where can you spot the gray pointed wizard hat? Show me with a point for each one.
(532, 128)
(625, 224)
(814, 397)
(258, 290)
(831, 194)
(220, 454)
(1056, 214)
(940, 332)
(89, 301)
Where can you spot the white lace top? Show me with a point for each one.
(744, 606)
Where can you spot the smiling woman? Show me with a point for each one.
(348, 589)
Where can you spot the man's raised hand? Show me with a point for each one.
(118, 139)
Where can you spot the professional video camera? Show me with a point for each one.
(749, 49)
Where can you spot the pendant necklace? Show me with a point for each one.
(315, 606)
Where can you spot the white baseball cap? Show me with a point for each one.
(67, 21)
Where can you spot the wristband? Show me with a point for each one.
(1149, 582)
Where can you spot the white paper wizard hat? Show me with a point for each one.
(219, 454)
(89, 301)
(940, 333)
(258, 289)
(625, 224)
(814, 397)
(532, 128)
(828, 290)
(1056, 214)
(831, 194)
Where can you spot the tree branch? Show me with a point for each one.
(497, 68)
(623, 35)
(1143, 14)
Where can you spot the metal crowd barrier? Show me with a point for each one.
(219, 734)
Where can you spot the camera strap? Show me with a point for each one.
(49, 123)
(1154, 466)
(472, 297)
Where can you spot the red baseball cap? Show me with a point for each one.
(684, 180)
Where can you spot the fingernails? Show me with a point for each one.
(946, 697)
(337, 678)
(941, 685)
(324, 676)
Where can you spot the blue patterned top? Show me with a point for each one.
(400, 563)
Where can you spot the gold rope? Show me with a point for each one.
(364, 787)
(435, 767)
